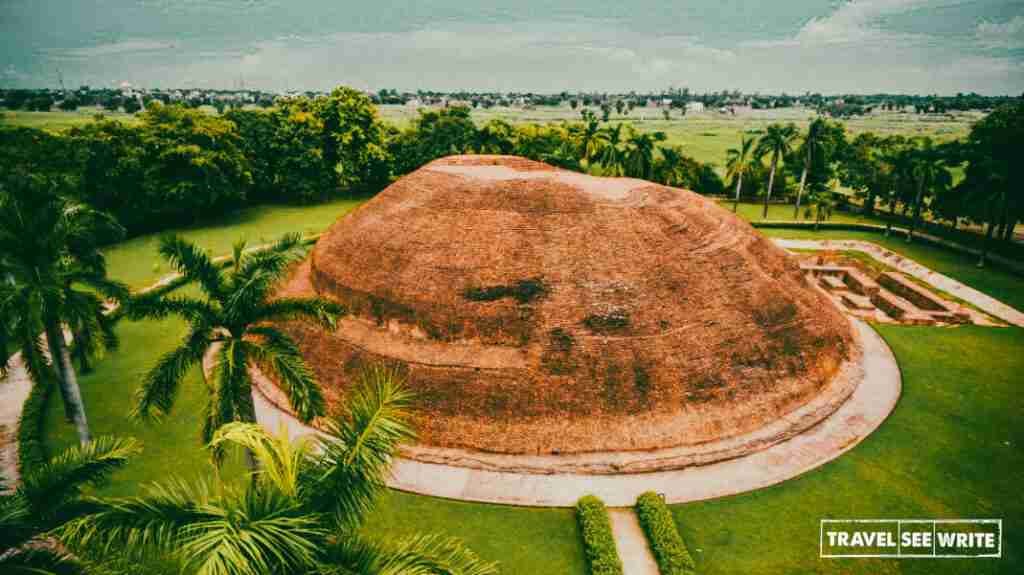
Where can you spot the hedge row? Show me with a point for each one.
(598, 540)
(31, 448)
(669, 550)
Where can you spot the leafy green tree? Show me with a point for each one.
(176, 166)
(233, 318)
(434, 134)
(738, 161)
(994, 177)
(354, 148)
(776, 141)
(302, 513)
(54, 276)
(495, 137)
(862, 168)
(674, 168)
(591, 137)
(47, 498)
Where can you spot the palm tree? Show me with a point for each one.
(824, 203)
(47, 497)
(52, 276)
(812, 145)
(591, 137)
(233, 319)
(303, 512)
(738, 162)
(777, 141)
(640, 154)
(930, 175)
(613, 157)
(671, 168)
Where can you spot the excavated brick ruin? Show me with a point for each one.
(539, 311)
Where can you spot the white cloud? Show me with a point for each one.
(1008, 34)
(131, 46)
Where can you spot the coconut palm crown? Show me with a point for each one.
(52, 279)
(300, 515)
(232, 320)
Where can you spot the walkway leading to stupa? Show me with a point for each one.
(908, 266)
(861, 414)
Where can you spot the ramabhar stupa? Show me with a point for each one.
(538, 312)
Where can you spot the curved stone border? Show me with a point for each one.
(908, 266)
(866, 409)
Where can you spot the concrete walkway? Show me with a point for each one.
(631, 543)
(862, 413)
(14, 390)
(945, 283)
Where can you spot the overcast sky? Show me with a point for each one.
(863, 46)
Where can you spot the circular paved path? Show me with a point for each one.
(861, 414)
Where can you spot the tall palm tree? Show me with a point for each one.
(737, 162)
(777, 141)
(930, 175)
(812, 145)
(613, 156)
(49, 496)
(640, 153)
(302, 514)
(52, 277)
(234, 316)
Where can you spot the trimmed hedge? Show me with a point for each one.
(598, 540)
(669, 550)
(31, 448)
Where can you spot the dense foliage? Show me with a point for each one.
(179, 164)
(598, 540)
(669, 549)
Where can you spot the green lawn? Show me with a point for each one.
(137, 263)
(951, 449)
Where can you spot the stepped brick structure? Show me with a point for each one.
(538, 311)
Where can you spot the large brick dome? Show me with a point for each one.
(541, 311)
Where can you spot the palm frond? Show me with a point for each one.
(160, 386)
(360, 445)
(158, 306)
(64, 476)
(193, 263)
(277, 353)
(321, 311)
(40, 560)
(138, 527)
(230, 394)
(280, 459)
(418, 555)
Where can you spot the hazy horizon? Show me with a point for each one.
(861, 46)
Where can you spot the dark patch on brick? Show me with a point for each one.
(523, 291)
(614, 322)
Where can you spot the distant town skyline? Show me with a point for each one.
(823, 46)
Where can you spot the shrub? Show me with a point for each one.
(669, 550)
(598, 541)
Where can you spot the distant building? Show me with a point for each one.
(694, 107)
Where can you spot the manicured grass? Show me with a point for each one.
(525, 540)
(542, 541)
(137, 263)
(751, 211)
(951, 449)
(172, 446)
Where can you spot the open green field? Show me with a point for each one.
(951, 449)
(57, 121)
(707, 135)
(137, 263)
